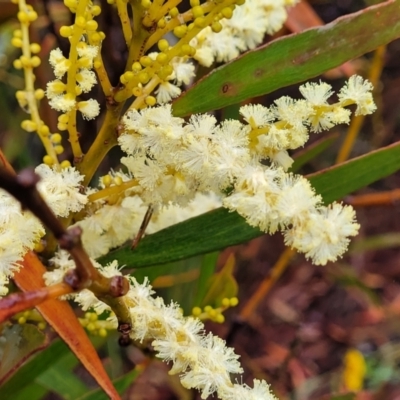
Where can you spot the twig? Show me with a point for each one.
(85, 275)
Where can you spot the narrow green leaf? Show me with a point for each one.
(26, 375)
(336, 182)
(293, 59)
(219, 228)
(34, 391)
(61, 379)
(19, 343)
(207, 269)
(121, 384)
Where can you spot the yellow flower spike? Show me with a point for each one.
(21, 320)
(207, 309)
(65, 164)
(146, 4)
(196, 311)
(212, 313)
(194, 3)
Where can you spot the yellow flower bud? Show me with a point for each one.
(59, 149)
(92, 25)
(161, 23)
(163, 45)
(180, 31)
(65, 164)
(35, 61)
(227, 12)
(80, 21)
(56, 138)
(143, 77)
(216, 27)
(66, 31)
(146, 3)
(35, 48)
(16, 42)
(48, 160)
(146, 61)
(174, 12)
(150, 100)
(28, 125)
(96, 10)
(197, 11)
(200, 22)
